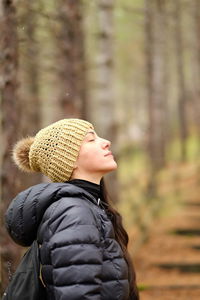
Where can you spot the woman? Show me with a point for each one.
(83, 246)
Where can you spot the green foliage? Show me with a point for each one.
(133, 161)
(143, 287)
(192, 145)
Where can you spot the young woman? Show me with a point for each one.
(83, 245)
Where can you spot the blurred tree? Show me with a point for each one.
(104, 110)
(29, 67)
(71, 59)
(10, 115)
(157, 80)
(182, 91)
(103, 98)
(195, 14)
(29, 70)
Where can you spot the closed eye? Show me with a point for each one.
(91, 136)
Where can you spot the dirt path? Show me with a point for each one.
(168, 265)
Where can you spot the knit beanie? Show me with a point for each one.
(54, 149)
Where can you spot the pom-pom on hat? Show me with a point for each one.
(54, 149)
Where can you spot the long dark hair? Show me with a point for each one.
(122, 238)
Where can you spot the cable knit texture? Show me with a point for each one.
(56, 148)
(80, 256)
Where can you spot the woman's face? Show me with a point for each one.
(95, 158)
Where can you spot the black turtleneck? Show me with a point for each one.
(94, 190)
(90, 187)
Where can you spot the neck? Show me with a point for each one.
(91, 178)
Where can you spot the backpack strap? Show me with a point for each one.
(40, 276)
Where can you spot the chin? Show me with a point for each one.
(112, 167)
(115, 165)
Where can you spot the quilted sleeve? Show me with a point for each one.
(76, 253)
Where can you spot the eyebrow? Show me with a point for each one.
(92, 132)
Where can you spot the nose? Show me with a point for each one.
(106, 144)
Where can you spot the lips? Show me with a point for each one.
(109, 153)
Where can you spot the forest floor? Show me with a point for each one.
(168, 264)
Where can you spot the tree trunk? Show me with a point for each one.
(10, 112)
(181, 79)
(195, 15)
(29, 91)
(102, 102)
(156, 60)
(71, 60)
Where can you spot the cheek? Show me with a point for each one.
(90, 159)
(85, 157)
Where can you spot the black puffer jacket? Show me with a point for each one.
(80, 256)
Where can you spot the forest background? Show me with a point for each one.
(132, 68)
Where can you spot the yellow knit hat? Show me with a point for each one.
(54, 149)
